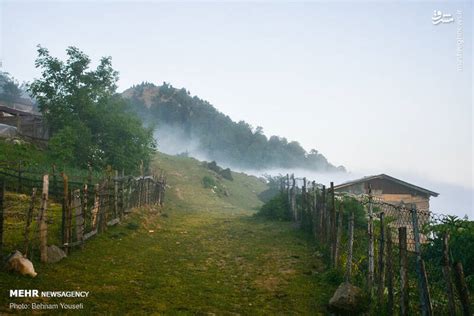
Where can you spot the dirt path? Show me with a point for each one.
(223, 262)
(208, 255)
(217, 262)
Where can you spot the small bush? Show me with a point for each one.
(208, 182)
(333, 276)
(277, 208)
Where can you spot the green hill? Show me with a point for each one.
(188, 123)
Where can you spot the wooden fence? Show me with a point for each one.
(67, 213)
(389, 244)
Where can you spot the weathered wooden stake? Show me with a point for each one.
(338, 235)
(116, 212)
(65, 206)
(403, 257)
(95, 208)
(293, 198)
(462, 289)
(381, 272)
(315, 214)
(85, 203)
(425, 299)
(322, 222)
(333, 226)
(349, 251)
(328, 225)
(288, 192)
(389, 273)
(76, 202)
(447, 275)
(370, 228)
(2, 194)
(122, 197)
(43, 226)
(303, 217)
(29, 219)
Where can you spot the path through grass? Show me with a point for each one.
(199, 255)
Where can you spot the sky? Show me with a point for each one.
(374, 86)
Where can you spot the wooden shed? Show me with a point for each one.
(390, 190)
(29, 125)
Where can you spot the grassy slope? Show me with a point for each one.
(208, 255)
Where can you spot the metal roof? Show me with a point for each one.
(386, 177)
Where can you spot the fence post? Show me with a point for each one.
(447, 275)
(95, 208)
(328, 225)
(287, 191)
(293, 198)
(333, 226)
(403, 258)
(77, 206)
(389, 272)
(425, 300)
(163, 190)
(116, 194)
(462, 289)
(303, 217)
(315, 211)
(29, 218)
(65, 206)
(338, 235)
(322, 221)
(370, 228)
(381, 272)
(350, 245)
(2, 194)
(43, 226)
(122, 197)
(85, 202)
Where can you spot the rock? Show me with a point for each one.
(348, 298)
(227, 174)
(18, 263)
(55, 254)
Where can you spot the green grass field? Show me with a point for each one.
(203, 253)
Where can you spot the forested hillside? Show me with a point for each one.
(187, 123)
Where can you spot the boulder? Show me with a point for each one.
(348, 299)
(18, 263)
(55, 254)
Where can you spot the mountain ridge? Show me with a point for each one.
(204, 131)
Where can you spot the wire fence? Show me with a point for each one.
(381, 247)
(37, 210)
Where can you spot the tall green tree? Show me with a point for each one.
(10, 91)
(88, 122)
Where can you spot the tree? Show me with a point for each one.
(9, 89)
(89, 124)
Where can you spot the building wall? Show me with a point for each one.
(422, 203)
(395, 194)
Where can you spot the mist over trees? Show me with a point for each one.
(220, 138)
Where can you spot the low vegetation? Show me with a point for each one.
(201, 253)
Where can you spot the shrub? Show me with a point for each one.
(276, 208)
(208, 182)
